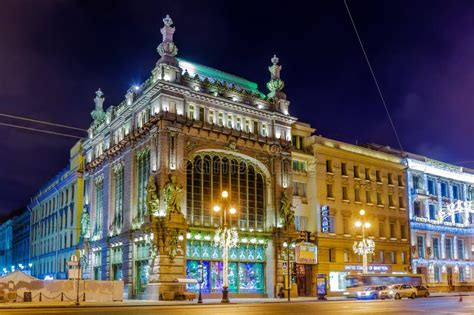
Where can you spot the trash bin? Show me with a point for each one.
(27, 297)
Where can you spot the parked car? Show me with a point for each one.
(421, 290)
(373, 292)
(398, 291)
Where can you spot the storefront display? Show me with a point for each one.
(337, 281)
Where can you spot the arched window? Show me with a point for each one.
(207, 175)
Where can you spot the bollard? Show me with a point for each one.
(40, 297)
(62, 296)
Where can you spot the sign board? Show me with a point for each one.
(370, 268)
(325, 218)
(285, 266)
(306, 253)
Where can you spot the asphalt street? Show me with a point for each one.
(441, 305)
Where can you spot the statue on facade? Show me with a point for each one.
(152, 201)
(287, 214)
(172, 195)
(85, 223)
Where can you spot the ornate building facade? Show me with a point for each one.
(21, 240)
(157, 163)
(55, 213)
(350, 178)
(441, 217)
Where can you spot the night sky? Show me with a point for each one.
(54, 54)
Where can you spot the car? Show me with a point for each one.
(398, 291)
(422, 290)
(373, 292)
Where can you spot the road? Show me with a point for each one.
(431, 306)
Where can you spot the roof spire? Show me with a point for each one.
(275, 86)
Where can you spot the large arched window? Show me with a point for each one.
(207, 175)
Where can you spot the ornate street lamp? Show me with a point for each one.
(288, 247)
(201, 280)
(226, 237)
(365, 246)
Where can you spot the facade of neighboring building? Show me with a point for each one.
(55, 220)
(350, 178)
(21, 241)
(158, 162)
(442, 240)
(6, 237)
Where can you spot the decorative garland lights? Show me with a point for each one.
(202, 236)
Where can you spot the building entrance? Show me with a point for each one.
(303, 279)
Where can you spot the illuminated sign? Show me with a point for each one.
(370, 268)
(325, 219)
(306, 253)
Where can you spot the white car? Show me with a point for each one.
(398, 291)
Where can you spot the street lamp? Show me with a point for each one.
(225, 237)
(201, 280)
(366, 246)
(288, 246)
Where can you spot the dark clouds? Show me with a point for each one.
(54, 54)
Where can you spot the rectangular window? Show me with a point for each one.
(444, 190)
(437, 274)
(417, 209)
(378, 176)
(329, 191)
(461, 249)
(230, 122)
(436, 248)
(462, 276)
(381, 229)
(345, 225)
(247, 126)
(456, 192)
(238, 124)
(391, 204)
(346, 256)
(343, 169)
(367, 173)
(344, 193)
(255, 127)
(332, 255)
(298, 166)
(400, 180)
(99, 206)
(143, 172)
(403, 231)
(264, 130)
(448, 244)
(431, 187)
(118, 200)
(356, 171)
(211, 117)
(220, 119)
(432, 211)
(299, 189)
(393, 258)
(368, 197)
(357, 194)
(420, 242)
(379, 199)
(328, 166)
(401, 204)
(390, 178)
(191, 112)
(403, 256)
(392, 230)
(301, 223)
(382, 256)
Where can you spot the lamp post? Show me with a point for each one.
(288, 246)
(201, 280)
(225, 237)
(366, 246)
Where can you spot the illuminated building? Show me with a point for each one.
(350, 178)
(55, 213)
(21, 241)
(6, 235)
(441, 247)
(157, 162)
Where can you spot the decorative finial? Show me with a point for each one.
(98, 113)
(99, 99)
(167, 20)
(275, 60)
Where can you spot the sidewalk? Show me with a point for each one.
(20, 305)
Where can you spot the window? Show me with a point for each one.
(392, 230)
(416, 182)
(208, 175)
(462, 277)
(143, 172)
(211, 117)
(230, 122)
(417, 209)
(401, 204)
(220, 119)
(420, 242)
(456, 192)
(344, 169)
(99, 205)
(390, 178)
(356, 171)
(381, 229)
(345, 225)
(379, 199)
(201, 114)
(332, 255)
(448, 244)
(382, 256)
(298, 166)
(378, 176)
(460, 249)
(191, 112)
(301, 223)
(329, 191)
(357, 195)
(403, 232)
(255, 127)
(444, 190)
(368, 197)
(431, 187)
(400, 180)
(403, 256)
(391, 204)
(432, 211)
(393, 258)
(247, 125)
(299, 189)
(436, 248)
(344, 193)
(437, 274)
(328, 166)
(367, 173)
(118, 196)
(264, 130)
(346, 256)
(238, 124)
